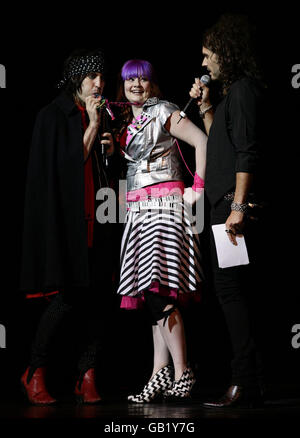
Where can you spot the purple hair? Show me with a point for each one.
(135, 68)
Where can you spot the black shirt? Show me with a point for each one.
(234, 138)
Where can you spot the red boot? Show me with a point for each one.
(35, 389)
(85, 390)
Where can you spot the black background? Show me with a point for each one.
(33, 48)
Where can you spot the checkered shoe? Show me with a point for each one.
(160, 382)
(181, 388)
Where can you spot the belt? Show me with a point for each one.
(163, 203)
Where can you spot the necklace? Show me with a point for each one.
(136, 124)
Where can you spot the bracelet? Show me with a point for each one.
(235, 206)
(202, 113)
(198, 185)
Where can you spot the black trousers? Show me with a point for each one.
(90, 309)
(233, 287)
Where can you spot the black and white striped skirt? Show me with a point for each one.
(159, 246)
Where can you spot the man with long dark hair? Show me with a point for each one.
(233, 151)
(65, 250)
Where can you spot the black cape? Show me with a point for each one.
(55, 251)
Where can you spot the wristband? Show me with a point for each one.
(198, 185)
(235, 206)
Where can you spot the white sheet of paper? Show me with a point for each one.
(229, 254)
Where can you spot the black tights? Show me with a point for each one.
(52, 320)
(91, 310)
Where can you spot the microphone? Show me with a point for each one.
(206, 80)
(103, 104)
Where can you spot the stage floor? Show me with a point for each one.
(122, 409)
(281, 409)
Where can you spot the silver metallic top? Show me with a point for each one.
(152, 152)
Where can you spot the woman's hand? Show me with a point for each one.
(190, 197)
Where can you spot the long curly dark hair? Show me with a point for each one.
(233, 40)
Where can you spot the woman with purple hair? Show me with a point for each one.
(160, 256)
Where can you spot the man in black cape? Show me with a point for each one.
(67, 253)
